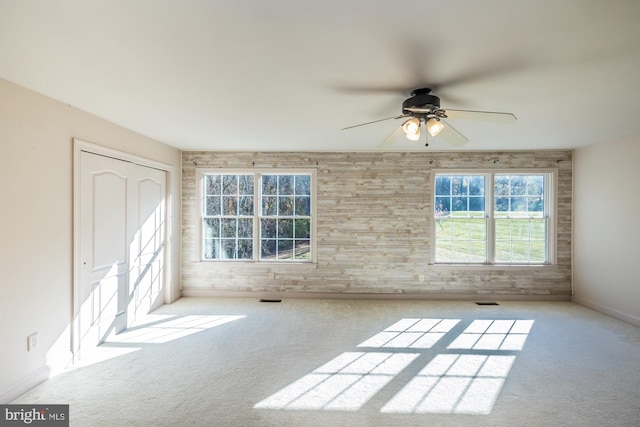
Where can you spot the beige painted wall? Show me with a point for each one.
(36, 223)
(607, 248)
(374, 229)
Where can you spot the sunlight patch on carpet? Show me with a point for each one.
(345, 383)
(411, 333)
(454, 383)
(493, 335)
(167, 330)
(451, 383)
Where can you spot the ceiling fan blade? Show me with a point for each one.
(392, 136)
(452, 136)
(485, 116)
(375, 121)
(368, 90)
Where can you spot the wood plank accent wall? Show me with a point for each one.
(374, 228)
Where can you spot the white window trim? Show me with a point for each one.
(551, 188)
(256, 172)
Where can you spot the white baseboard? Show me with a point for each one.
(30, 381)
(436, 296)
(607, 310)
(60, 365)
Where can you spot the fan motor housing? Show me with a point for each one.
(421, 98)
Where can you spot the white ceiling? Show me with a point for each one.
(289, 74)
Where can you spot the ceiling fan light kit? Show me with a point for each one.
(434, 126)
(411, 129)
(424, 107)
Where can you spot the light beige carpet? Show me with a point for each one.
(241, 362)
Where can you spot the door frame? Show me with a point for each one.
(80, 146)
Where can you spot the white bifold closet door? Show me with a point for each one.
(122, 227)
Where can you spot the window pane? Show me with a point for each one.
(285, 249)
(212, 184)
(535, 185)
(443, 185)
(444, 229)
(246, 185)
(537, 254)
(285, 228)
(269, 184)
(211, 228)
(245, 227)
(285, 185)
(285, 206)
(460, 230)
(476, 185)
(477, 251)
(503, 251)
(213, 205)
(443, 206)
(229, 184)
(302, 228)
(268, 228)
(535, 205)
(538, 229)
(211, 248)
(303, 206)
(459, 204)
(269, 206)
(476, 205)
(519, 251)
(268, 249)
(459, 185)
(503, 229)
(303, 185)
(460, 252)
(501, 186)
(229, 249)
(302, 249)
(229, 205)
(478, 229)
(518, 206)
(245, 205)
(501, 205)
(518, 185)
(245, 248)
(228, 227)
(443, 251)
(537, 244)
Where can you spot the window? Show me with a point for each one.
(241, 212)
(493, 217)
(285, 219)
(520, 220)
(461, 234)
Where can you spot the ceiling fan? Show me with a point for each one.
(423, 109)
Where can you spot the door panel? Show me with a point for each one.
(147, 246)
(122, 220)
(109, 219)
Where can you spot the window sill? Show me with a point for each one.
(480, 266)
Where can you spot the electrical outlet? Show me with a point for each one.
(421, 277)
(33, 341)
